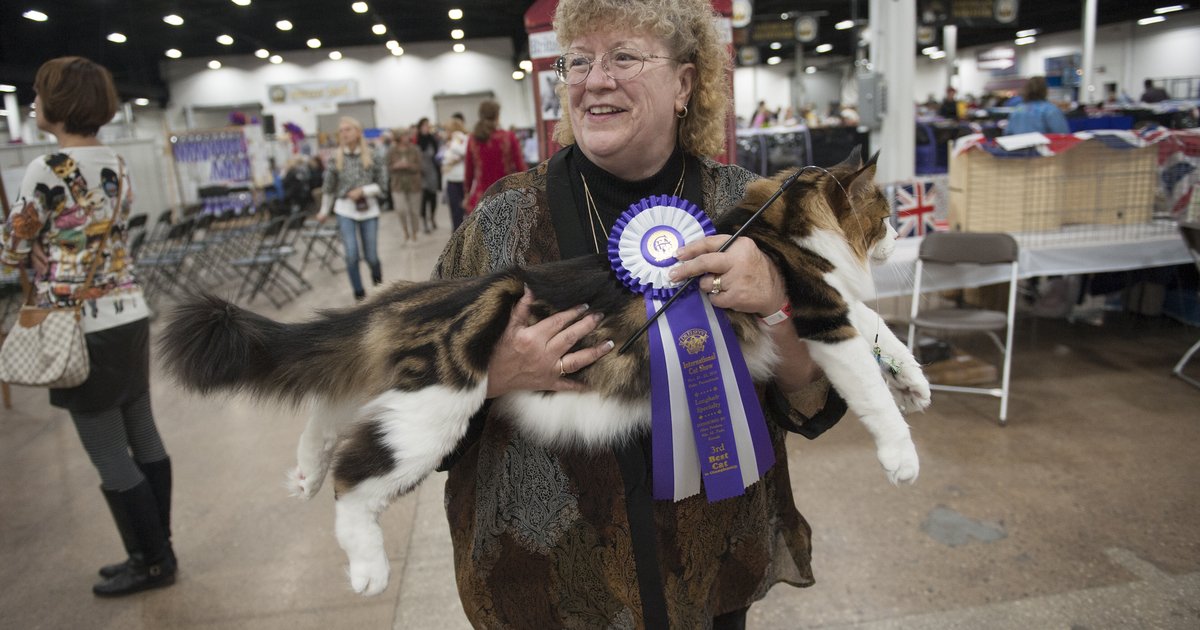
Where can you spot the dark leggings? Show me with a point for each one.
(429, 207)
(108, 437)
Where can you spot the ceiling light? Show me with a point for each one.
(141, 101)
(276, 59)
(335, 55)
(776, 45)
(810, 70)
(173, 20)
(242, 3)
(283, 25)
(1154, 19)
(214, 65)
(397, 51)
(774, 61)
(1029, 32)
(783, 16)
(1171, 9)
(937, 55)
(1020, 41)
(262, 53)
(173, 53)
(117, 38)
(460, 48)
(391, 43)
(379, 29)
(359, 7)
(526, 65)
(314, 43)
(518, 75)
(225, 40)
(36, 16)
(4, 87)
(844, 24)
(824, 48)
(455, 14)
(456, 34)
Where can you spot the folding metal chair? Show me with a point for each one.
(955, 249)
(161, 262)
(324, 241)
(267, 269)
(1191, 238)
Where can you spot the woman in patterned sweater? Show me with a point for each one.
(68, 203)
(353, 184)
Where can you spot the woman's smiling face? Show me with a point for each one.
(628, 127)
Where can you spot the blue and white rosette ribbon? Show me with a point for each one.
(706, 422)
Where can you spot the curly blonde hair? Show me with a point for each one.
(688, 30)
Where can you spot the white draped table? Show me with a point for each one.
(1098, 249)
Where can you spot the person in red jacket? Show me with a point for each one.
(492, 153)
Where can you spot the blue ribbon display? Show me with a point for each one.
(707, 426)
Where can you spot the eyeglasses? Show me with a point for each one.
(620, 64)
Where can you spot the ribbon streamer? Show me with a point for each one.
(707, 426)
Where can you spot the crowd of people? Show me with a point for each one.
(836, 115)
(408, 170)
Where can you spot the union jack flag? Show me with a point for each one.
(915, 206)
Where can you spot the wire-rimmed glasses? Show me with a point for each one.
(620, 64)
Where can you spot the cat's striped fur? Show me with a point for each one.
(394, 381)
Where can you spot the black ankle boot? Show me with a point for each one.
(153, 563)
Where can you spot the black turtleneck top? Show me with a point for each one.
(613, 195)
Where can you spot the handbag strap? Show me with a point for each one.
(27, 284)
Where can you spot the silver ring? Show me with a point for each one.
(561, 371)
(716, 287)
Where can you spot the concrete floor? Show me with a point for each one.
(1081, 514)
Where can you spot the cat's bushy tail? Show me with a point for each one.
(212, 345)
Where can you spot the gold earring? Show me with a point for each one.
(683, 114)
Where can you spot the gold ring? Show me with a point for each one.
(716, 288)
(561, 371)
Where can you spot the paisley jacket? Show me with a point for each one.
(562, 538)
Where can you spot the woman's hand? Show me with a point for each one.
(355, 194)
(743, 277)
(537, 357)
(750, 283)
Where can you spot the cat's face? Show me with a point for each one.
(841, 198)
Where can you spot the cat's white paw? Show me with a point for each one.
(369, 576)
(910, 387)
(899, 460)
(302, 485)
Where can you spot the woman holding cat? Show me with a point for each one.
(353, 184)
(72, 208)
(644, 85)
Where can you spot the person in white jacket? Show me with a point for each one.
(453, 158)
(354, 182)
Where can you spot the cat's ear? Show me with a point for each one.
(853, 162)
(863, 180)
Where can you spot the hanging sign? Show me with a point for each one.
(311, 92)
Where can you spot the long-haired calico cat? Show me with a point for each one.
(396, 379)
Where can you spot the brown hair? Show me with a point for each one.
(1035, 89)
(489, 119)
(76, 92)
(686, 26)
